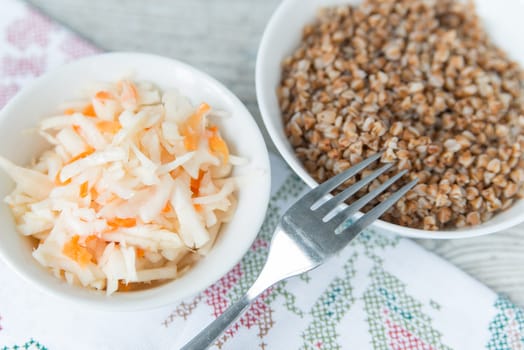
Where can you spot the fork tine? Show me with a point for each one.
(321, 190)
(368, 218)
(361, 202)
(327, 207)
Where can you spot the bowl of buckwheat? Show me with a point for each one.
(437, 86)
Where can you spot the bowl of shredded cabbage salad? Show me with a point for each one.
(135, 186)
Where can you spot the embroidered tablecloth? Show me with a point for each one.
(382, 292)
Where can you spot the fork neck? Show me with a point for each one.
(285, 259)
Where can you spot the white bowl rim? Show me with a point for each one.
(262, 98)
(106, 303)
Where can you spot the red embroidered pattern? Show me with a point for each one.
(31, 29)
(23, 66)
(216, 294)
(403, 339)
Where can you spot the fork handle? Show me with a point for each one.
(208, 335)
(285, 259)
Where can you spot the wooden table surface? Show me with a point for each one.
(221, 38)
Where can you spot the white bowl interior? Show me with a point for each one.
(281, 38)
(42, 99)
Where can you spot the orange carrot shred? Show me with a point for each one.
(69, 111)
(191, 128)
(89, 111)
(197, 207)
(140, 252)
(84, 154)
(191, 142)
(84, 189)
(195, 183)
(122, 222)
(103, 95)
(219, 146)
(124, 287)
(176, 173)
(167, 208)
(76, 252)
(95, 206)
(109, 126)
(60, 183)
(91, 238)
(94, 193)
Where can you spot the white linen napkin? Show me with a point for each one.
(382, 292)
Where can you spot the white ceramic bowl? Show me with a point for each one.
(42, 99)
(282, 37)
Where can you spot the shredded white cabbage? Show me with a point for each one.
(136, 186)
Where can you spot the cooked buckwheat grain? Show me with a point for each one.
(421, 81)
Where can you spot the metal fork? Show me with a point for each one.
(309, 233)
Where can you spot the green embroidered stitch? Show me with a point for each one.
(394, 313)
(329, 309)
(28, 345)
(434, 304)
(305, 277)
(372, 240)
(289, 299)
(507, 328)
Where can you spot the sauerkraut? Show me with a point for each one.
(134, 189)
